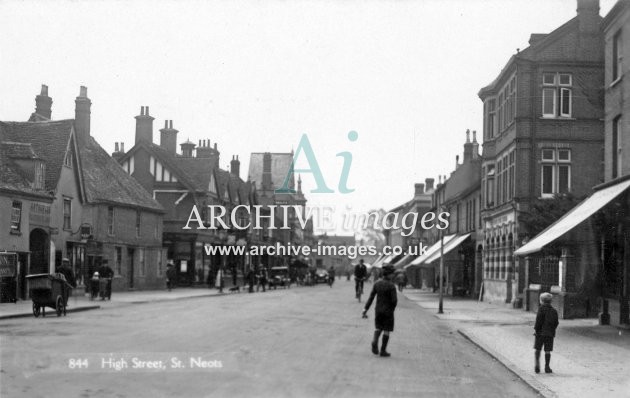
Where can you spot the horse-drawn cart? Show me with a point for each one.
(48, 291)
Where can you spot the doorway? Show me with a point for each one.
(130, 256)
(39, 247)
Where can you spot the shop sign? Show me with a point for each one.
(8, 265)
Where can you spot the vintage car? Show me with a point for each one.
(279, 277)
(321, 276)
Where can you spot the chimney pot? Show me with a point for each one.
(43, 103)
(215, 146)
(146, 111)
(122, 147)
(115, 147)
(83, 92)
(467, 136)
(428, 183)
(44, 91)
(166, 124)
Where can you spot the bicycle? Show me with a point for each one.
(359, 288)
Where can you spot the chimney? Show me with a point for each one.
(468, 148)
(187, 148)
(418, 189)
(43, 103)
(119, 151)
(588, 16)
(168, 137)
(82, 116)
(266, 177)
(299, 190)
(428, 183)
(235, 166)
(475, 146)
(204, 150)
(144, 126)
(456, 162)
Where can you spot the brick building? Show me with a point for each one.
(543, 136)
(179, 181)
(460, 196)
(93, 200)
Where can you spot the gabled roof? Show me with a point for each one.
(539, 43)
(48, 140)
(107, 182)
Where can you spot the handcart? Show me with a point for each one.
(48, 291)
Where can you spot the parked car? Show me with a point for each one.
(279, 277)
(321, 276)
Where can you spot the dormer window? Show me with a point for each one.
(39, 175)
(68, 159)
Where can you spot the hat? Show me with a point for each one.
(388, 270)
(546, 298)
(95, 274)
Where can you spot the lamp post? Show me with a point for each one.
(441, 305)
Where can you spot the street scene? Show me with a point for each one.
(300, 342)
(315, 199)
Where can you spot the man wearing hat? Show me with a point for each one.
(66, 271)
(385, 292)
(545, 327)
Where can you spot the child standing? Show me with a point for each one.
(545, 330)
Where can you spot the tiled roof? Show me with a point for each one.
(106, 181)
(18, 150)
(48, 140)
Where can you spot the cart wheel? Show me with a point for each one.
(35, 310)
(59, 306)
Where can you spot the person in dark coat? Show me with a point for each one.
(171, 274)
(360, 275)
(386, 300)
(65, 270)
(545, 331)
(106, 272)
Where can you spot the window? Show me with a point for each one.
(506, 103)
(490, 118)
(118, 264)
(67, 161)
(40, 173)
(141, 262)
(616, 57)
(67, 213)
(511, 174)
(555, 172)
(490, 187)
(557, 95)
(16, 216)
(616, 147)
(138, 222)
(110, 220)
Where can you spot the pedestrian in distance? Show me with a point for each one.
(218, 283)
(170, 276)
(251, 279)
(65, 270)
(384, 291)
(545, 331)
(331, 275)
(360, 274)
(401, 280)
(106, 274)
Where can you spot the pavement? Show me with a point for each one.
(81, 302)
(588, 360)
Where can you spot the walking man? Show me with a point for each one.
(385, 292)
(360, 273)
(545, 327)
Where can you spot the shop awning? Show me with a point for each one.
(404, 260)
(430, 251)
(579, 213)
(452, 244)
(379, 261)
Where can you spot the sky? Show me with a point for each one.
(256, 76)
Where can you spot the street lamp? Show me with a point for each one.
(441, 305)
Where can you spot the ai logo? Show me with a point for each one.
(305, 146)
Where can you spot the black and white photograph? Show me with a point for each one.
(305, 198)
